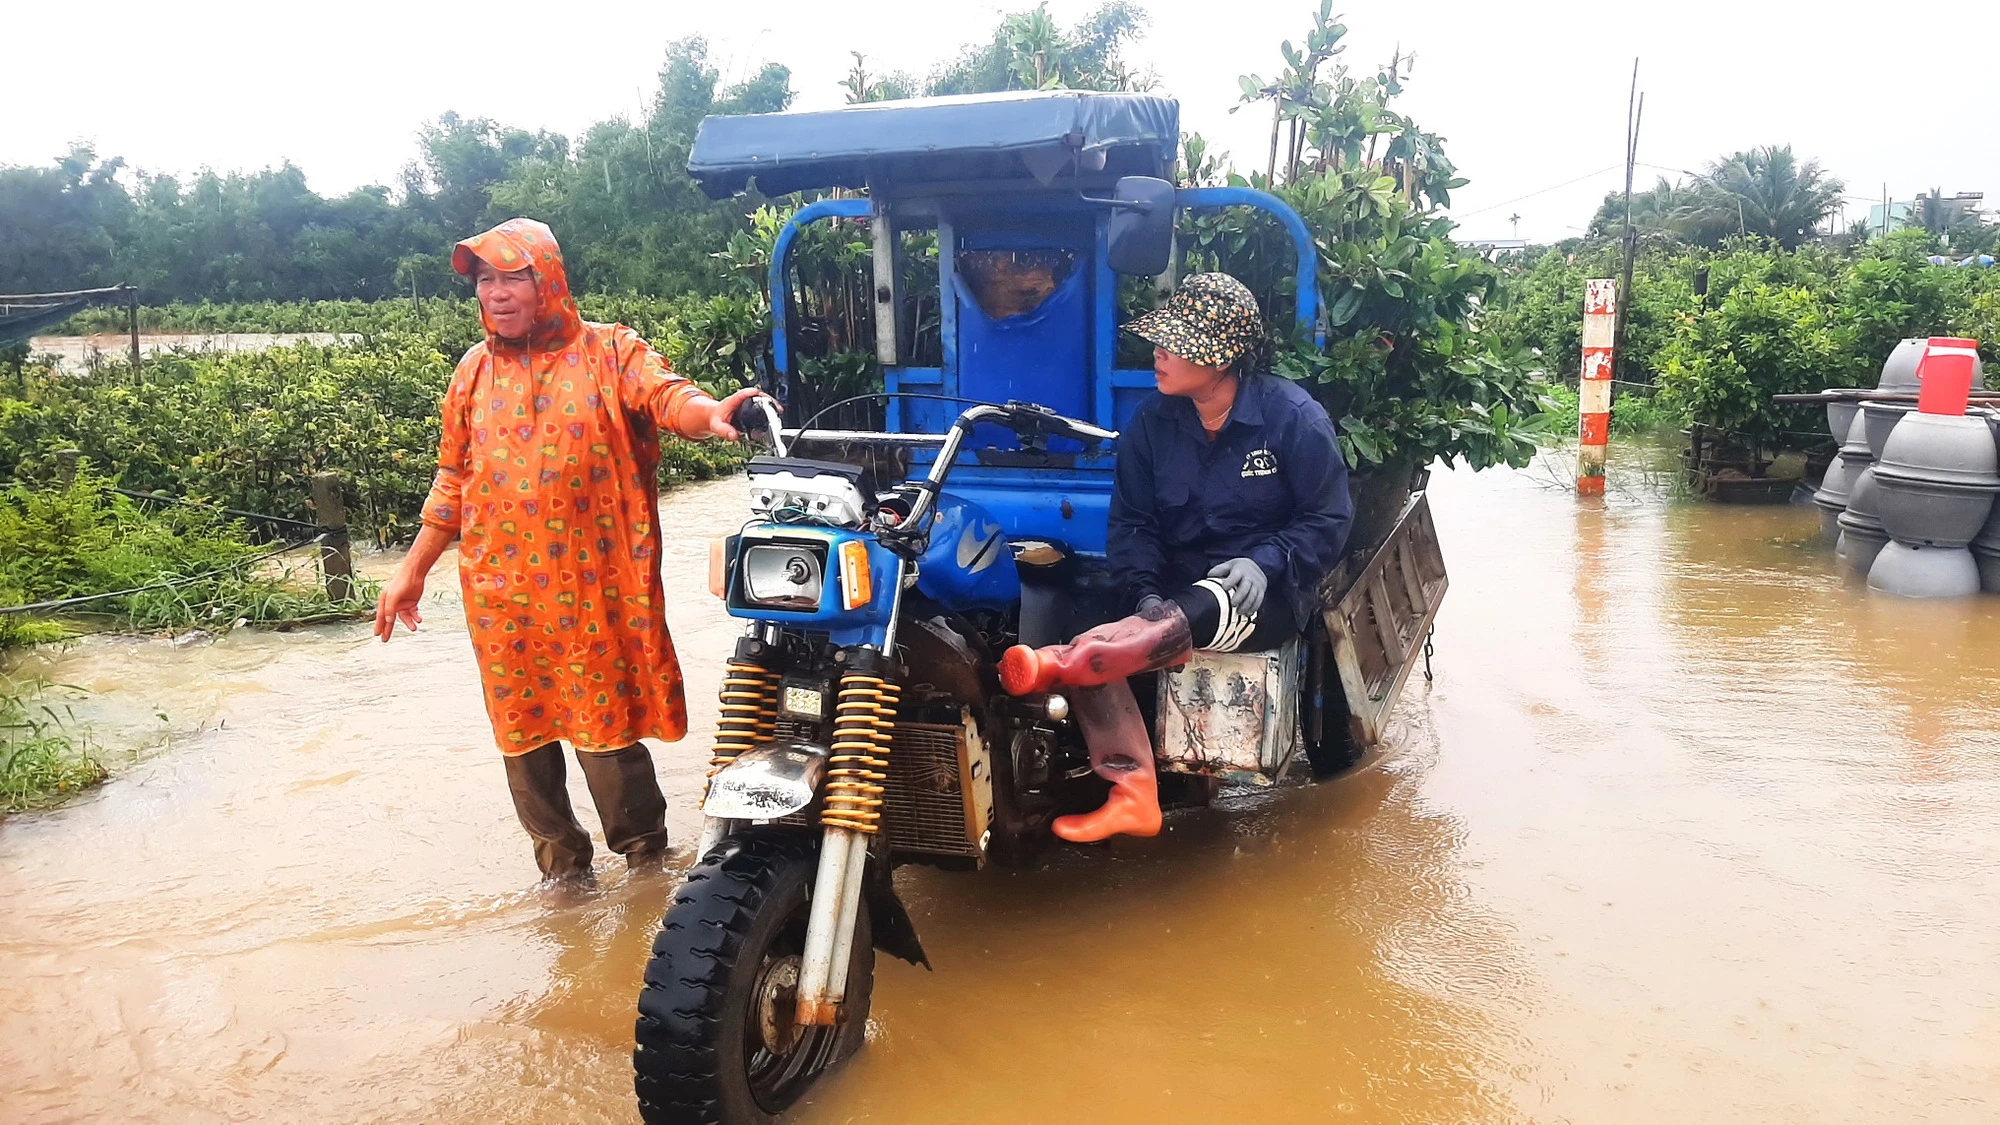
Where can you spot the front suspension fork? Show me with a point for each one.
(864, 726)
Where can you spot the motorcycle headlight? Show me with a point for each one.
(784, 575)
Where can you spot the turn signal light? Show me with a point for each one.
(856, 586)
(715, 576)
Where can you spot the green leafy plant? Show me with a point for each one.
(171, 568)
(1408, 372)
(43, 759)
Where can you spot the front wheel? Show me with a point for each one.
(716, 1037)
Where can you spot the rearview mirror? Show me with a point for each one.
(1141, 236)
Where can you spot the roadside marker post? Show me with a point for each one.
(1600, 329)
(336, 563)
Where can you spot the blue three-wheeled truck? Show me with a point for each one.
(883, 570)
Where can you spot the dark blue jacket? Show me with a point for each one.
(1271, 487)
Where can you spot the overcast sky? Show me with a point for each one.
(1529, 95)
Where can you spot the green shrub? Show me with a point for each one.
(41, 762)
(1771, 322)
(1760, 340)
(248, 430)
(186, 566)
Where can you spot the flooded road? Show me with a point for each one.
(1684, 830)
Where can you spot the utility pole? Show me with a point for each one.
(132, 325)
(1515, 219)
(1635, 111)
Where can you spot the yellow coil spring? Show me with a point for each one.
(749, 712)
(864, 722)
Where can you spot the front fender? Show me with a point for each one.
(767, 781)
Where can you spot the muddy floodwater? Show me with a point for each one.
(77, 354)
(1684, 830)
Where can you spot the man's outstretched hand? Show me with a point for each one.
(400, 596)
(717, 423)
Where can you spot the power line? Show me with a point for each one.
(165, 584)
(1543, 191)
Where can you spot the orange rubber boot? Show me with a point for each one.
(1121, 753)
(1157, 637)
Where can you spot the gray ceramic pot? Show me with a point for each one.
(1854, 448)
(1924, 572)
(1899, 371)
(1840, 416)
(1879, 420)
(1835, 485)
(1861, 533)
(1864, 501)
(1988, 563)
(1937, 476)
(1986, 552)
(1831, 498)
(1856, 550)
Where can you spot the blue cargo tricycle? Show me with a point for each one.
(883, 570)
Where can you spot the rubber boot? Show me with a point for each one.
(1155, 637)
(1121, 753)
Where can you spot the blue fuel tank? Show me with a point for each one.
(970, 564)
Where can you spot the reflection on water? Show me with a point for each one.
(1687, 829)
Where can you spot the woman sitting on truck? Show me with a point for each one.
(1230, 506)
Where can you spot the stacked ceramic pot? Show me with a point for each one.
(1899, 371)
(1861, 535)
(1986, 552)
(1839, 479)
(1845, 471)
(1899, 374)
(1935, 477)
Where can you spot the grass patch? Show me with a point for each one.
(172, 568)
(43, 761)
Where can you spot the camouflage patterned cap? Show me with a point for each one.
(1211, 319)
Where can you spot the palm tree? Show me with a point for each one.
(1765, 191)
(1658, 208)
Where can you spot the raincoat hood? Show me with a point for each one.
(513, 245)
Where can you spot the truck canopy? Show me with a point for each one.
(980, 137)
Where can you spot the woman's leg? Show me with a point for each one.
(1122, 753)
(626, 790)
(1218, 627)
(541, 799)
(1155, 637)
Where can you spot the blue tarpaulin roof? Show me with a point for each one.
(930, 140)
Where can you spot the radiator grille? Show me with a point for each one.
(923, 809)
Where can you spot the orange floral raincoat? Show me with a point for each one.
(547, 473)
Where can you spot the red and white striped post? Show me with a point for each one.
(1600, 327)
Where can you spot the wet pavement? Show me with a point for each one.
(1686, 829)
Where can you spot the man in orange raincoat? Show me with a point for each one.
(547, 478)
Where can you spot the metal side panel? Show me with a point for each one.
(1378, 627)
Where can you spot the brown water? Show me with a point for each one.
(76, 354)
(1685, 830)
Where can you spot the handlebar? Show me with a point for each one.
(1021, 417)
(771, 423)
(1030, 416)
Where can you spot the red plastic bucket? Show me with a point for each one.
(1945, 377)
